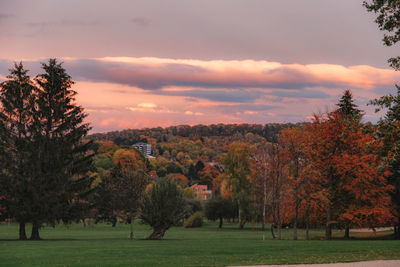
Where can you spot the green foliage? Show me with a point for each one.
(162, 207)
(388, 12)
(104, 162)
(195, 220)
(193, 206)
(219, 209)
(237, 168)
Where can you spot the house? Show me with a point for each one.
(201, 191)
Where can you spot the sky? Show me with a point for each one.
(148, 63)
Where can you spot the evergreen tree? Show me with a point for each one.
(62, 159)
(346, 106)
(17, 101)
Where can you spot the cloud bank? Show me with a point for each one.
(146, 92)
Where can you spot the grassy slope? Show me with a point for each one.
(102, 245)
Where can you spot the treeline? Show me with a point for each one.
(128, 137)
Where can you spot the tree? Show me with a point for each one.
(364, 189)
(17, 98)
(219, 209)
(388, 20)
(208, 174)
(162, 207)
(278, 173)
(292, 142)
(61, 159)
(237, 168)
(388, 131)
(262, 176)
(120, 193)
(346, 106)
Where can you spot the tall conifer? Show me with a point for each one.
(17, 100)
(62, 157)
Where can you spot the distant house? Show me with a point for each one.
(145, 149)
(201, 191)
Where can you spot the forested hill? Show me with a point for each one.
(130, 136)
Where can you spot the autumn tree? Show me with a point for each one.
(237, 169)
(365, 192)
(208, 174)
(292, 143)
(278, 173)
(262, 176)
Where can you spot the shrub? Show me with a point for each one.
(196, 220)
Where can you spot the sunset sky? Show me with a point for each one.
(159, 63)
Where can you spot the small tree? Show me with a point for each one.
(119, 193)
(237, 168)
(162, 207)
(219, 209)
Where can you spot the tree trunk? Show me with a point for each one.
(347, 232)
(278, 215)
(220, 222)
(35, 232)
(307, 226)
(131, 234)
(158, 234)
(272, 231)
(114, 221)
(296, 216)
(328, 229)
(22, 232)
(397, 230)
(239, 220)
(265, 198)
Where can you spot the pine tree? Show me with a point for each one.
(61, 158)
(17, 102)
(346, 105)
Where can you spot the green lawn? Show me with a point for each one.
(102, 245)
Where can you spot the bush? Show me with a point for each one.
(196, 220)
(193, 205)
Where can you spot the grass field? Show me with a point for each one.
(102, 245)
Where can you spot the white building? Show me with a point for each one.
(144, 148)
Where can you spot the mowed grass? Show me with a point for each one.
(103, 245)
